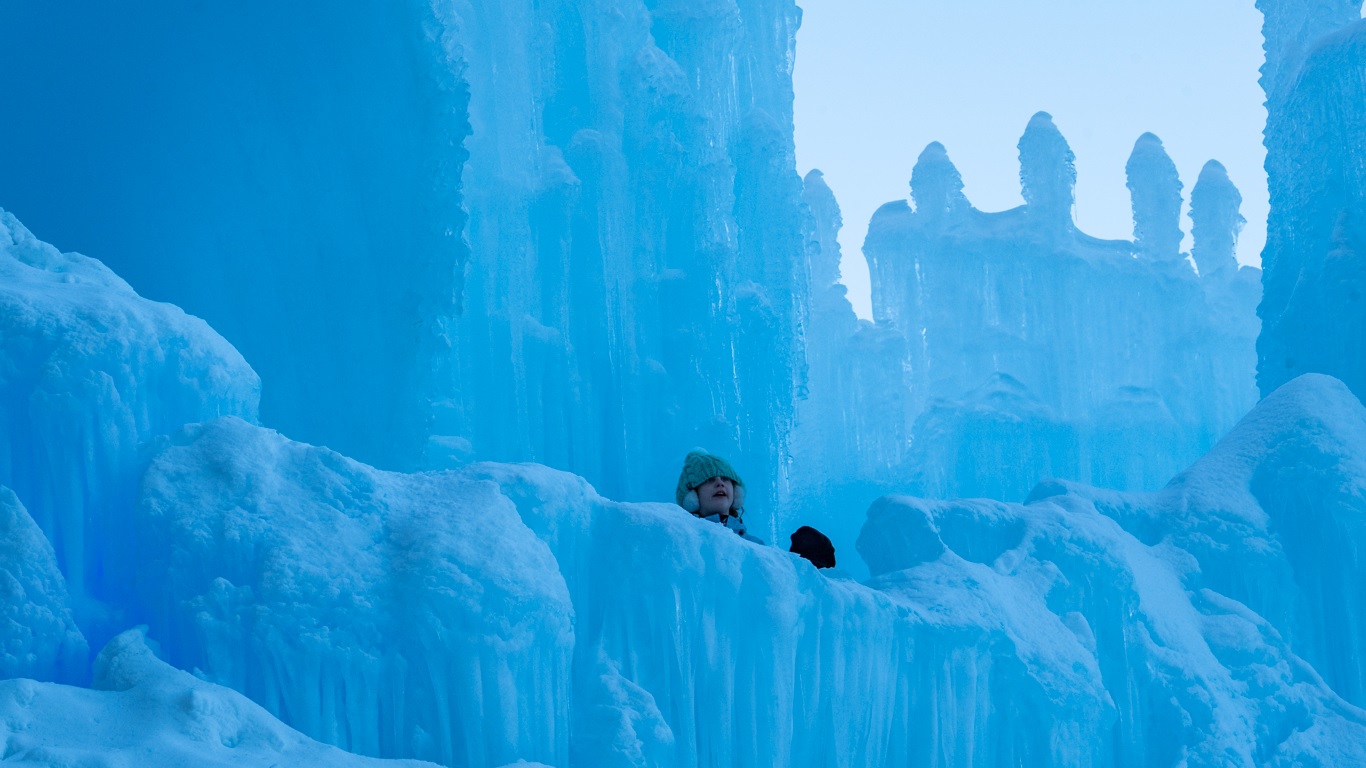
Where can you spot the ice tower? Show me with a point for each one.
(1312, 311)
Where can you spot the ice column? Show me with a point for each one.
(1047, 173)
(1155, 190)
(1215, 221)
(936, 186)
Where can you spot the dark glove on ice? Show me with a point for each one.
(814, 546)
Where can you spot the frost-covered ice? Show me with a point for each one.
(90, 371)
(38, 636)
(394, 615)
(464, 617)
(1275, 515)
(141, 712)
(1145, 607)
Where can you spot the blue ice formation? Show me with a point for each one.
(1034, 350)
(89, 373)
(636, 285)
(504, 612)
(289, 174)
(1009, 348)
(498, 229)
(1316, 172)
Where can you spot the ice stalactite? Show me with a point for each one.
(1155, 189)
(637, 286)
(824, 250)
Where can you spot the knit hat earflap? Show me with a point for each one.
(700, 467)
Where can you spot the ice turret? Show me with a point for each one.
(1155, 189)
(936, 185)
(826, 222)
(1048, 175)
(1215, 221)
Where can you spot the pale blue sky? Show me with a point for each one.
(877, 80)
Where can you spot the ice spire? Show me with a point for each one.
(1047, 172)
(825, 214)
(1155, 189)
(1215, 220)
(936, 185)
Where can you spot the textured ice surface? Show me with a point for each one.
(465, 616)
(1275, 516)
(636, 285)
(38, 636)
(141, 712)
(1156, 598)
(390, 614)
(90, 371)
(1083, 628)
(1315, 137)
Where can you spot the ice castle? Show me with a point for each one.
(351, 440)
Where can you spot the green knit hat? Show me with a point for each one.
(700, 467)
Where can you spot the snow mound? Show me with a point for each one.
(1085, 643)
(38, 636)
(1275, 516)
(142, 712)
(89, 371)
(389, 614)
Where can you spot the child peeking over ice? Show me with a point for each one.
(710, 488)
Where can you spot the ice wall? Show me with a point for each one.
(1314, 76)
(289, 173)
(1035, 350)
(636, 285)
(501, 612)
(622, 173)
(1083, 628)
(89, 372)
